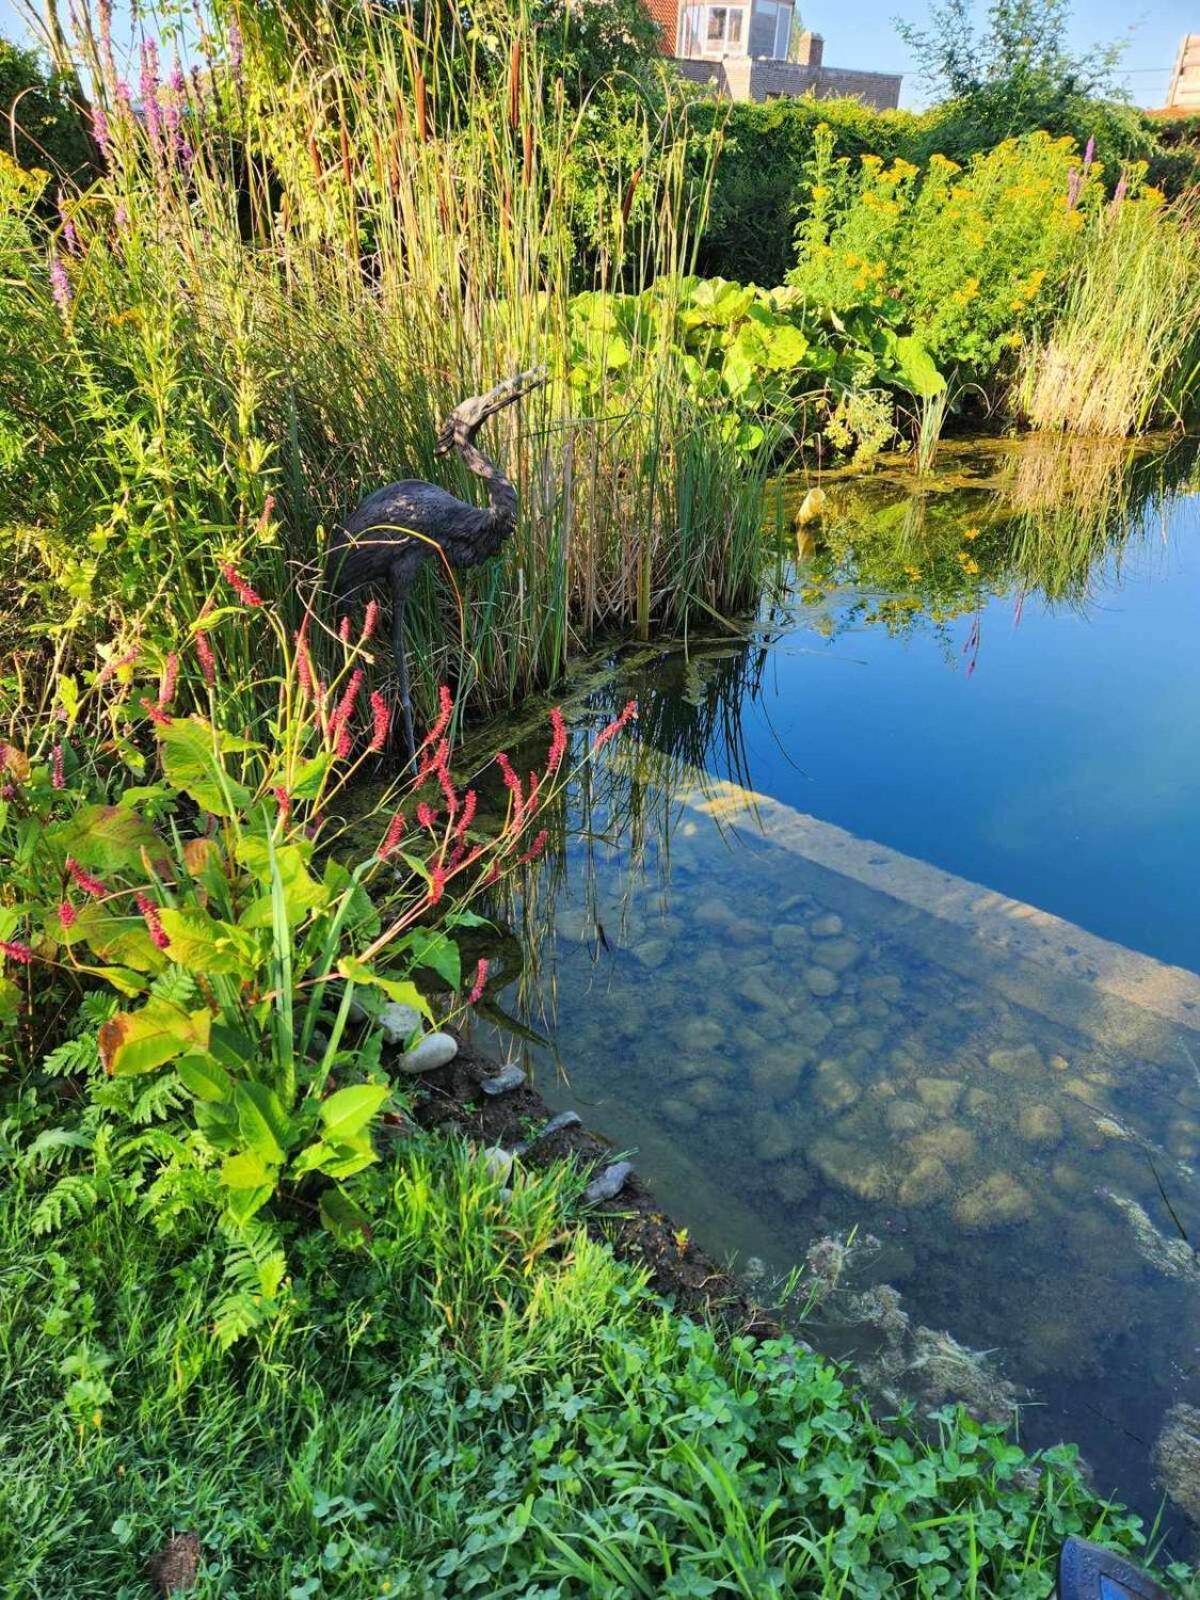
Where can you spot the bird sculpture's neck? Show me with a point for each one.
(502, 495)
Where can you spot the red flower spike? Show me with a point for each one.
(345, 706)
(369, 621)
(558, 742)
(57, 780)
(67, 914)
(344, 630)
(426, 816)
(476, 994)
(152, 920)
(85, 880)
(535, 849)
(437, 884)
(393, 836)
(204, 655)
(470, 800)
(238, 584)
(614, 728)
(381, 721)
(166, 688)
(156, 714)
(283, 800)
(16, 951)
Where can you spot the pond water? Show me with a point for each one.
(887, 921)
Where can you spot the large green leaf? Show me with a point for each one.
(204, 1077)
(345, 1218)
(916, 368)
(262, 1120)
(401, 989)
(116, 939)
(138, 1041)
(202, 944)
(106, 838)
(347, 1112)
(193, 759)
(247, 1170)
(335, 1160)
(301, 891)
(437, 951)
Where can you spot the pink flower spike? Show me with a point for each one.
(614, 728)
(166, 689)
(381, 719)
(426, 816)
(283, 800)
(152, 920)
(345, 706)
(437, 884)
(344, 630)
(56, 774)
(558, 741)
(156, 714)
(264, 519)
(345, 743)
(445, 712)
(470, 800)
(476, 994)
(369, 621)
(393, 836)
(111, 668)
(67, 914)
(238, 584)
(204, 655)
(85, 880)
(535, 849)
(16, 951)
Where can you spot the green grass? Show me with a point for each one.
(486, 1403)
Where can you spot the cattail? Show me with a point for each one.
(631, 188)
(89, 884)
(422, 110)
(514, 85)
(152, 920)
(156, 714)
(238, 584)
(527, 168)
(347, 169)
(16, 951)
(558, 742)
(166, 689)
(314, 156)
(56, 768)
(476, 994)
(381, 718)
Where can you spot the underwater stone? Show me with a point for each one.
(789, 936)
(680, 1113)
(774, 1137)
(754, 988)
(949, 1141)
(792, 1184)
(835, 1088)
(1024, 1062)
(698, 1066)
(1067, 1178)
(821, 981)
(928, 1182)
(844, 1016)
(714, 913)
(851, 1166)
(811, 1028)
(702, 1033)
(706, 1093)
(998, 1202)
(1040, 1125)
(886, 986)
(504, 1082)
(981, 1105)
(839, 955)
(941, 1095)
(652, 953)
(434, 1050)
(905, 1116)
(876, 1008)
(1060, 1063)
(1177, 1457)
(777, 1078)
(610, 1182)
(827, 926)
(743, 931)
(398, 1022)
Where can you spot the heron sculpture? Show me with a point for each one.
(394, 530)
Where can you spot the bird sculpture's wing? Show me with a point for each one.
(400, 523)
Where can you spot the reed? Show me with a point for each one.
(295, 264)
(1124, 350)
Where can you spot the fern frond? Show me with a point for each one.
(70, 1199)
(175, 984)
(51, 1147)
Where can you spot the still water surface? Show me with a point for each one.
(992, 675)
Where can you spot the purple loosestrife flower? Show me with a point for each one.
(1122, 188)
(236, 50)
(106, 54)
(60, 285)
(70, 237)
(1089, 153)
(174, 109)
(148, 87)
(100, 131)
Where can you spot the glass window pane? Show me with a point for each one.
(716, 23)
(735, 27)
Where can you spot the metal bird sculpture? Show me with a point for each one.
(395, 529)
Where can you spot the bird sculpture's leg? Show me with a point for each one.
(401, 655)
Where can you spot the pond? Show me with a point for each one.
(887, 922)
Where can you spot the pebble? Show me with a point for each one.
(905, 1116)
(949, 1141)
(610, 1182)
(1024, 1062)
(839, 955)
(789, 937)
(434, 1050)
(850, 1166)
(778, 1078)
(835, 1088)
(755, 988)
(821, 981)
(828, 926)
(498, 1161)
(504, 1082)
(398, 1022)
(564, 1119)
(702, 1033)
(844, 1016)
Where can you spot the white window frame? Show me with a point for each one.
(695, 23)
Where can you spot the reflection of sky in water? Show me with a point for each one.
(782, 1076)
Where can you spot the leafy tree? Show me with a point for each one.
(41, 127)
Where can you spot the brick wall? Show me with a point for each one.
(666, 14)
(743, 79)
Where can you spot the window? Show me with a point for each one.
(718, 16)
(723, 29)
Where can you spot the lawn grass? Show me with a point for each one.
(485, 1402)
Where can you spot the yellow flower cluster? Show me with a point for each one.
(966, 293)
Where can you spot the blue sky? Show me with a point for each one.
(860, 34)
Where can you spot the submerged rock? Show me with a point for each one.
(950, 1142)
(680, 1113)
(827, 926)
(839, 955)
(652, 953)
(821, 981)
(777, 1077)
(504, 1082)
(706, 1094)
(811, 1028)
(982, 1106)
(998, 1202)
(1170, 1255)
(1040, 1125)
(927, 1183)
(609, 1183)
(941, 1095)
(835, 1088)
(905, 1116)
(434, 1050)
(1023, 1062)
(1177, 1458)
(699, 1034)
(793, 1184)
(852, 1167)
(789, 937)
(755, 989)
(775, 1138)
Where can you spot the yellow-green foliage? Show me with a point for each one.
(965, 257)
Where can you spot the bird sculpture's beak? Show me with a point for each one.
(466, 418)
(512, 389)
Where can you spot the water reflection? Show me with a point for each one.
(804, 1019)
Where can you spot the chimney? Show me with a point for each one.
(810, 47)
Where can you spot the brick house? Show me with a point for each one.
(743, 49)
